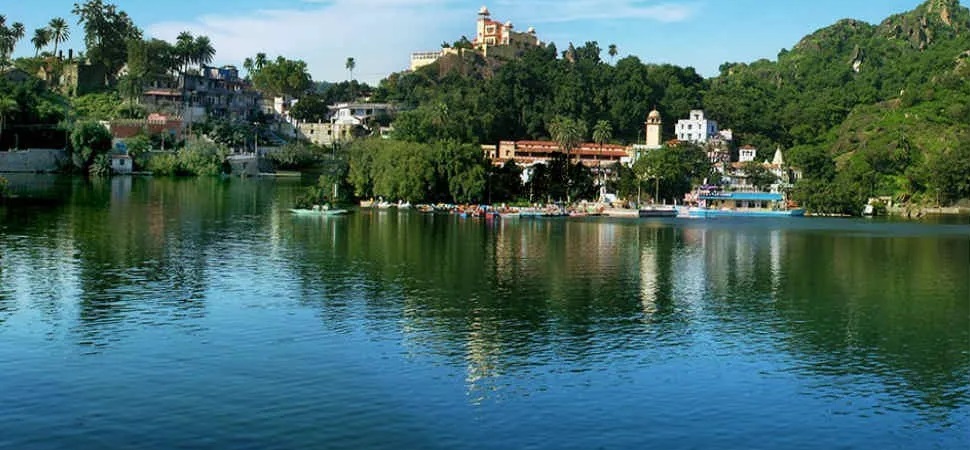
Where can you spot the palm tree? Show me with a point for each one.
(7, 106)
(17, 30)
(602, 133)
(568, 134)
(183, 49)
(58, 31)
(42, 36)
(202, 51)
(259, 62)
(248, 65)
(613, 52)
(350, 65)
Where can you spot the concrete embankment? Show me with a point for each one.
(33, 160)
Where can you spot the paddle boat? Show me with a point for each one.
(319, 210)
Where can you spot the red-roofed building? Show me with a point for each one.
(527, 153)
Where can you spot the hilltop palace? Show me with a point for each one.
(492, 38)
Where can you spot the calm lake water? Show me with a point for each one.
(141, 313)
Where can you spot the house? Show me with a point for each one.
(348, 121)
(121, 163)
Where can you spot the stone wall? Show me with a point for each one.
(33, 160)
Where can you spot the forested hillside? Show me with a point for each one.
(864, 109)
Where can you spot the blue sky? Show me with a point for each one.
(381, 34)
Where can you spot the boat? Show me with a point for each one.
(657, 211)
(741, 204)
(426, 209)
(367, 203)
(319, 210)
(401, 204)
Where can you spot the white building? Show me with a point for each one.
(358, 113)
(697, 129)
(421, 59)
(747, 153)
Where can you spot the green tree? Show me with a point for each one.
(88, 141)
(350, 65)
(758, 175)
(59, 32)
(568, 134)
(42, 37)
(202, 51)
(602, 133)
(283, 77)
(8, 106)
(184, 49)
(106, 32)
(613, 51)
(9, 35)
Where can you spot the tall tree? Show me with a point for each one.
(568, 133)
(283, 77)
(8, 39)
(59, 32)
(106, 32)
(202, 51)
(184, 49)
(42, 37)
(260, 61)
(350, 65)
(613, 51)
(602, 133)
(8, 106)
(248, 65)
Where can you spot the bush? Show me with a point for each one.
(88, 141)
(198, 158)
(297, 156)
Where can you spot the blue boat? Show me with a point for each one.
(741, 204)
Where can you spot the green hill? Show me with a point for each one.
(866, 109)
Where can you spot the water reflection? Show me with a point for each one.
(843, 308)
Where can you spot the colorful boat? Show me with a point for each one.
(742, 204)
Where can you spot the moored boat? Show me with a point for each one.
(742, 204)
(319, 210)
(657, 211)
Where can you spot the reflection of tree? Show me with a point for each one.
(506, 292)
(886, 307)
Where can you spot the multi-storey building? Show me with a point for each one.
(697, 129)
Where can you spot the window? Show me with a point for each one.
(690, 126)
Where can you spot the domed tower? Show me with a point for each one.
(654, 127)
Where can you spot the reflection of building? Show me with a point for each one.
(533, 152)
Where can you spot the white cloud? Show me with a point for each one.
(380, 34)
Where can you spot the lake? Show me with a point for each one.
(155, 313)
